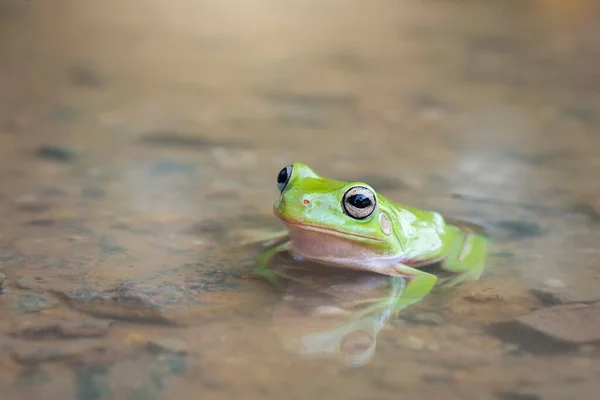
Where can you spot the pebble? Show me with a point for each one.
(33, 206)
(32, 303)
(329, 311)
(554, 283)
(57, 153)
(483, 295)
(23, 283)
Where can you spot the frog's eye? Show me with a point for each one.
(284, 177)
(359, 202)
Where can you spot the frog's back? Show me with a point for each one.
(421, 233)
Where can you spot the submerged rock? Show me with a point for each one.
(32, 303)
(44, 353)
(57, 153)
(63, 330)
(167, 345)
(23, 283)
(554, 329)
(167, 303)
(567, 295)
(576, 323)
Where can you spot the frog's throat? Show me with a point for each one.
(327, 231)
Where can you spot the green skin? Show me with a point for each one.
(394, 239)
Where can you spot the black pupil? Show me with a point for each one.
(359, 201)
(283, 176)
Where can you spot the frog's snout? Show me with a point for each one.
(283, 206)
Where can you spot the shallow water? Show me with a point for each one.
(139, 148)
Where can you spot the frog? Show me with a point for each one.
(348, 224)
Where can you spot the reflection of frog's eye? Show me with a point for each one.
(284, 177)
(359, 202)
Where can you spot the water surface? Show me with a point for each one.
(139, 147)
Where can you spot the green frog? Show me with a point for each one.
(350, 225)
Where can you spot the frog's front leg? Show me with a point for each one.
(262, 261)
(419, 283)
(467, 257)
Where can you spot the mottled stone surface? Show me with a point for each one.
(139, 147)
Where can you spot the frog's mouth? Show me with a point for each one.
(327, 231)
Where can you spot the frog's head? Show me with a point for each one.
(318, 208)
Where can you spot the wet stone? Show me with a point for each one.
(554, 283)
(538, 159)
(57, 153)
(589, 206)
(93, 192)
(517, 229)
(483, 295)
(82, 75)
(567, 295)
(459, 359)
(33, 206)
(425, 318)
(580, 112)
(62, 114)
(312, 99)
(438, 378)
(63, 330)
(348, 61)
(78, 329)
(41, 222)
(23, 284)
(31, 303)
(429, 107)
(213, 228)
(167, 345)
(213, 380)
(185, 141)
(576, 323)
(517, 396)
(167, 303)
(557, 329)
(394, 381)
(39, 354)
(92, 382)
(411, 342)
(165, 167)
(32, 376)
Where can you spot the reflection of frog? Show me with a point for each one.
(327, 312)
(347, 224)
